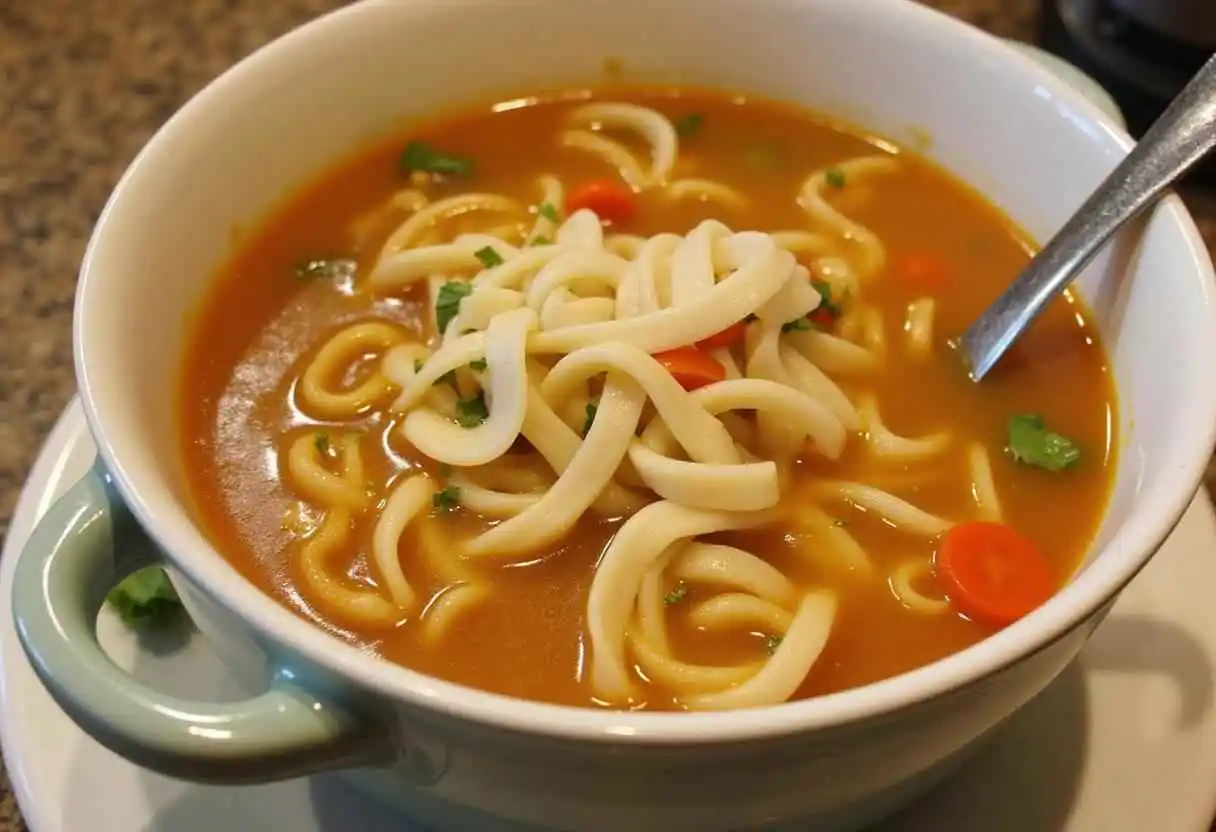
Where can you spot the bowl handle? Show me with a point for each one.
(85, 544)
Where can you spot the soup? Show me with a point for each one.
(641, 398)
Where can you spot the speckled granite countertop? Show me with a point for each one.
(85, 84)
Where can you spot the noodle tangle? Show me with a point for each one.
(541, 390)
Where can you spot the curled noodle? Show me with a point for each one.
(658, 133)
(870, 253)
(360, 607)
(318, 398)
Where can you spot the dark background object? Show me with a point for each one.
(1142, 51)
(1190, 21)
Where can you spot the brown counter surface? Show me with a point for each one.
(85, 84)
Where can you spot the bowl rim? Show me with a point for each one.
(1071, 607)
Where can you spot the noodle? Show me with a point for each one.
(892, 447)
(903, 583)
(777, 680)
(919, 326)
(706, 190)
(870, 254)
(983, 486)
(452, 602)
(346, 346)
(364, 607)
(658, 133)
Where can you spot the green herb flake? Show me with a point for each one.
(1032, 443)
(549, 211)
(421, 156)
(478, 365)
(418, 365)
(676, 595)
(489, 257)
(326, 269)
(826, 303)
(322, 443)
(796, 325)
(592, 407)
(750, 317)
(834, 177)
(471, 412)
(772, 643)
(540, 240)
(447, 499)
(447, 302)
(689, 125)
(146, 599)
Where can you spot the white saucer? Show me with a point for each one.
(1124, 740)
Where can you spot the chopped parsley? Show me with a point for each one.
(478, 365)
(676, 595)
(418, 365)
(447, 302)
(826, 303)
(326, 269)
(592, 407)
(322, 443)
(447, 499)
(689, 125)
(489, 257)
(421, 156)
(1032, 443)
(146, 599)
(549, 211)
(540, 240)
(472, 411)
(772, 643)
(834, 177)
(822, 316)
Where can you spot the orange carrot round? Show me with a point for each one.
(611, 201)
(993, 574)
(727, 338)
(691, 367)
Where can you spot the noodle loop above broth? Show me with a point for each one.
(688, 425)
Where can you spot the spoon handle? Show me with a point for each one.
(1179, 138)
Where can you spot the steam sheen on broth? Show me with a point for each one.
(641, 398)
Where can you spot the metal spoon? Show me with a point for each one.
(1179, 138)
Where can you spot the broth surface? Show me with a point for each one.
(261, 325)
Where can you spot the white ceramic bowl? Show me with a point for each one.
(448, 753)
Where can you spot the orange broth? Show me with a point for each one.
(259, 324)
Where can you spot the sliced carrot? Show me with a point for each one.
(691, 367)
(992, 573)
(725, 339)
(822, 318)
(923, 270)
(611, 201)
